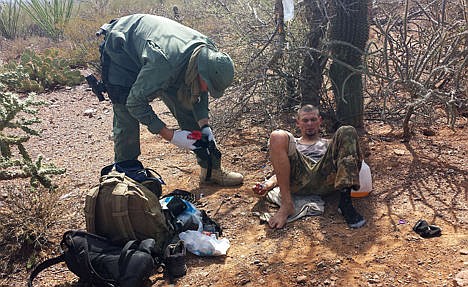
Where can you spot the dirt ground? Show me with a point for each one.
(423, 179)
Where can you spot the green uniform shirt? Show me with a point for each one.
(150, 54)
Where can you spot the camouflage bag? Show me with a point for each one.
(123, 209)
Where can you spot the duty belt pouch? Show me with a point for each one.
(117, 94)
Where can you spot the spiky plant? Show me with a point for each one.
(17, 118)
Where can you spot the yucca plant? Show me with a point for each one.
(51, 16)
(9, 15)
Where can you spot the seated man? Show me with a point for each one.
(313, 165)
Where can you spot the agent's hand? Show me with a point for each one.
(206, 130)
(185, 139)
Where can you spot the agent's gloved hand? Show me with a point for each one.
(186, 139)
(206, 130)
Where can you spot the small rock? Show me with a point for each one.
(321, 264)
(89, 112)
(399, 152)
(461, 279)
(301, 279)
(464, 252)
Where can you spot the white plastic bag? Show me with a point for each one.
(288, 9)
(204, 245)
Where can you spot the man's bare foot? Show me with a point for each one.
(281, 217)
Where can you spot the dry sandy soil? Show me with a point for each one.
(423, 179)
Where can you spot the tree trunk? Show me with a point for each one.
(311, 80)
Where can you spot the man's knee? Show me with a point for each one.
(281, 141)
(347, 132)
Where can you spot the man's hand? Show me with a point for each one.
(262, 188)
(259, 189)
(185, 139)
(206, 130)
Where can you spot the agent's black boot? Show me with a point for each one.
(346, 208)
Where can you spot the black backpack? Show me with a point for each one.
(98, 262)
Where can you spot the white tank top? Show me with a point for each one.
(313, 151)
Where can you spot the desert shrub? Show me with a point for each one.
(417, 62)
(9, 16)
(27, 215)
(44, 71)
(27, 210)
(266, 61)
(83, 50)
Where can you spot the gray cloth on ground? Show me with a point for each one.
(305, 205)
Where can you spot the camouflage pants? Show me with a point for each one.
(337, 169)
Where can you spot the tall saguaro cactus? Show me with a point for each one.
(349, 34)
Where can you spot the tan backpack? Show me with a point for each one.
(122, 209)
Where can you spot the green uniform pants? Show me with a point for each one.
(126, 132)
(338, 168)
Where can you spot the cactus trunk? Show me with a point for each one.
(349, 34)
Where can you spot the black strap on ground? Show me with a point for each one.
(209, 168)
(44, 265)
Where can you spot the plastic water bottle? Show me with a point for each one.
(365, 181)
(288, 9)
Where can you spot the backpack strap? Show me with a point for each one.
(119, 206)
(44, 265)
(120, 210)
(132, 245)
(90, 209)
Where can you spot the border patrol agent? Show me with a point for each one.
(146, 57)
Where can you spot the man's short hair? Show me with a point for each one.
(307, 109)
